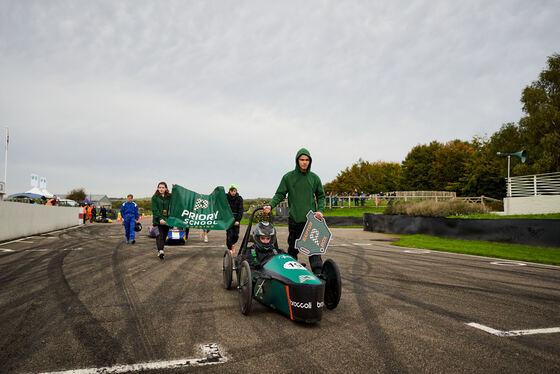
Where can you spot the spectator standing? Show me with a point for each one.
(129, 213)
(89, 210)
(52, 202)
(93, 213)
(305, 192)
(103, 212)
(161, 202)
(236, 204)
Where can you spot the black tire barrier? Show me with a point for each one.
(534, 232)
(331, 221)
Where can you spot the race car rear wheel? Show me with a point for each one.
(333, 286)
(245, 288)
(227, 270)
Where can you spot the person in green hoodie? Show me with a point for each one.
(160, 211)
(305, 193)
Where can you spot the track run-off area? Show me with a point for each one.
(82, 299)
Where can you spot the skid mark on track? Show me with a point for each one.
(139, 329)
(98, 342)
(368, 310)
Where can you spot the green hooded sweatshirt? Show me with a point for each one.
(304, 189)
(159, 205)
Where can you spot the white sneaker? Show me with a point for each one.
(160, 254)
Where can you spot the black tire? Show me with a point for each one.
(333, 285)
(227, 270)
(245, 288)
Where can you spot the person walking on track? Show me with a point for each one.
(236, 204)
(305, 193)
(129, 213)
(160, 210)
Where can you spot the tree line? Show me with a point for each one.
(472, 168)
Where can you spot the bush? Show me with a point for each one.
(250, 204)
(77, 194)
(435, 209)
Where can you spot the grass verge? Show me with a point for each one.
(516, 252)
(513, 216)
(352, 212)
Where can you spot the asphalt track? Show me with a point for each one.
(83, 299)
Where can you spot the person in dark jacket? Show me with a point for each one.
(236, 204)
(129, 213)
(305, 193)
(161, 202)
(103, 212)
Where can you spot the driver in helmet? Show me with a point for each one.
(264, 245)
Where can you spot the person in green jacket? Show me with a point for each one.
(305, 193)
(160, 211)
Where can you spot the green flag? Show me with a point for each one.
(193, 210)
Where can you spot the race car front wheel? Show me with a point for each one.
(333, 286)
(245, 288)
(227, 270)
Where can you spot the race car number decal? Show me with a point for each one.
(293, 265)
(306, 277)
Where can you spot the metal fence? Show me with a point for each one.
(534, 185)
(341, 201)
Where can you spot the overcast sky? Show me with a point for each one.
(115, 96)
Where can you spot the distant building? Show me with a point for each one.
(100, 201)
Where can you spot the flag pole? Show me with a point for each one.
(6, 159)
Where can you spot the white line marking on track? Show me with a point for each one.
(362, 243)
(508, 263)
(6, 250)
(17, 241)
(211, 352)
(506, 334)
(417, 251)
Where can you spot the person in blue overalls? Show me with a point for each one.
(129, 213)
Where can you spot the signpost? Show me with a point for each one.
(3, 184)
(315, 236)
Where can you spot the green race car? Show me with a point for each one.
(267, 274)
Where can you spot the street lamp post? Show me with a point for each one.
(522, 156)
(6, 158)
(5, 165)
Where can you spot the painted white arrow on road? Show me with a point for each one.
(506, 334)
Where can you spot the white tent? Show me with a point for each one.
(36, 190)
(47, 193)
